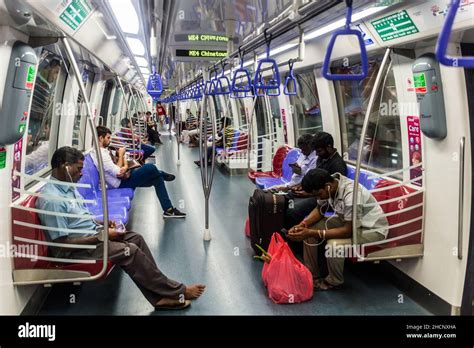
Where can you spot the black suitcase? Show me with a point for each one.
(266, 216)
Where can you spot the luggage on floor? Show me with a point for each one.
(266, 216)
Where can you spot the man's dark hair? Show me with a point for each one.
(305, 140)
(226, 121)
(66, 154)
(103, 131)
(315, 180)
(322, 140)
(125, 122)
(148, 113)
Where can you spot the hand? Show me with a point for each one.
(124, 173)
(296, 169)
(302, 194)
(300, 233)
(115, 235)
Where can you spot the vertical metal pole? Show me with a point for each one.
(178, 126)
(461, 196)
(95, 142)
(134, 148)
(365, 126)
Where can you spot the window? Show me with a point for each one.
(41, 114)
(305, 105)
(79, 130)
(240, 104)
(382, 149)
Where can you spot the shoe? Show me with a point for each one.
(168, 177)
(173, 213)
(183, 305)
(198, 163)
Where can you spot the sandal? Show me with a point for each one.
(183, 305)
(323, 285)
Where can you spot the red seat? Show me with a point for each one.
(397, 205)
(278, 158)
(42, 250)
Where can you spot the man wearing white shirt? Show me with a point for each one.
(118, 175)
(305, 162)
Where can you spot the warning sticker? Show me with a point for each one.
(3, 157)
(395, 26)
(420, 83)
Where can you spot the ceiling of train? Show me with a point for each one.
(171, 24)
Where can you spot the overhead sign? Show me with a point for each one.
(395, 26)
(207, 38)
(74, 12)
(214, 54)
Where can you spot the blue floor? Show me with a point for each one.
(225, 264)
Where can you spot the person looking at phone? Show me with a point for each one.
(329, 159)
(118, 175)
(125, 249)
(305, 162)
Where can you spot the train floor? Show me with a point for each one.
(225, 264)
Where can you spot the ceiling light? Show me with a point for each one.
(126, 15)
(136, 46)
(340, 23)
(141, 61)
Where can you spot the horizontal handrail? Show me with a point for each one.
(400, 224)
(53, 213)
(57, 245)
(49, 228)
(56, 182)
(52, 197)
(54, 259)
(403, 183)
(393, 239)
(394, 199)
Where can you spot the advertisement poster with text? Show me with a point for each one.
(16, 179)
(414, 140)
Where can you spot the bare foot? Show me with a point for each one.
(194, 291)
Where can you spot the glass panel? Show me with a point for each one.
(42, 108)
(382, 149)
(306, 106)
(79, 130)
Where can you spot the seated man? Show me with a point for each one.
(320, 234)
(118, 175)
(125, 249)
(153, 134)
(227, 132)
(305, 162)
(126, 132)
(327, 158)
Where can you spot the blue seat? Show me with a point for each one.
(119, 200)
(367, 179)
(233, 147)
(287, 172)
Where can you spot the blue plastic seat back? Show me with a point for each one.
(366, 178)
(291, 157)
(90, 175)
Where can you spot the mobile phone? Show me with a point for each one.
(284, 231)
(293, 164)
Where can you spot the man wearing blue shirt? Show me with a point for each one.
(125, 249)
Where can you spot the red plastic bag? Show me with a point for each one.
(247, 227)
(286, 278)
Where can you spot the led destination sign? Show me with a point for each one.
(201, 53)
(200, 38)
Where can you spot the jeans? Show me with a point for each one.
(146, 176)
(148, 150)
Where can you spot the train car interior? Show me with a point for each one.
(176, 119)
